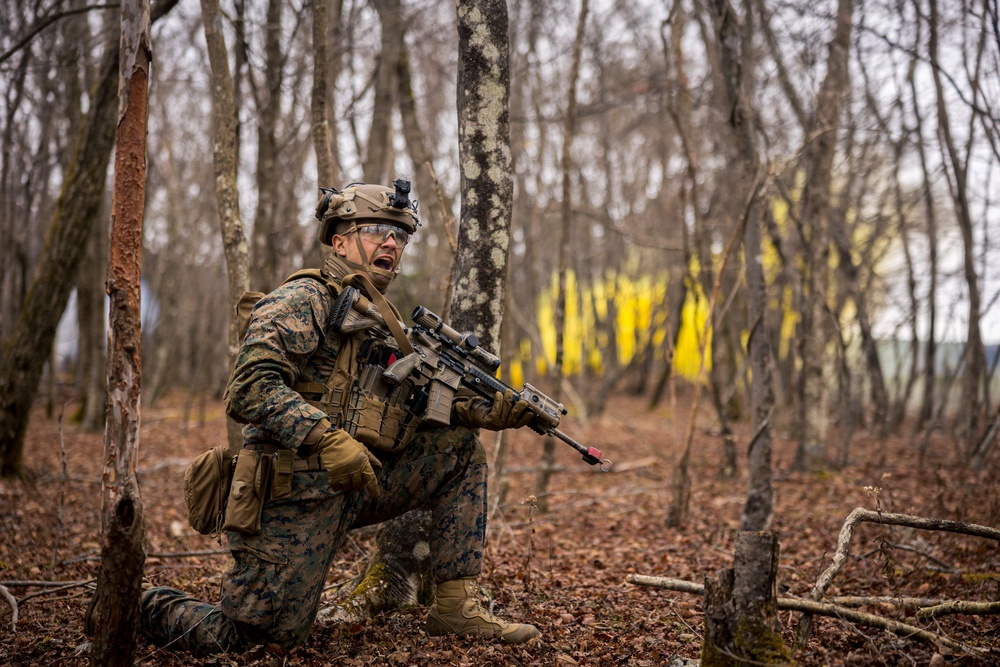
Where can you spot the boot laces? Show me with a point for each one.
(483, 598)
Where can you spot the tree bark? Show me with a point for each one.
(26, 350)
(378, 162)
(327, 172)
(487, 184)
(112, 619)
(741, 608)
(565, 234)
(817, 221)
(227, 194)
(264, 259)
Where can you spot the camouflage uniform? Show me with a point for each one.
(272, 593)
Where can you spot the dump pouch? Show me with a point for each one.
(206, 488)
(251, 479)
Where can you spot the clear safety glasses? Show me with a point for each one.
(381, 232)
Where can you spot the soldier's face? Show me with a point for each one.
(383, 253)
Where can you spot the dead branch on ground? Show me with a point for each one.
(838, 607)
(825, 609)
(12, 601)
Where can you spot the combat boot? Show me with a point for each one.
(458, 610)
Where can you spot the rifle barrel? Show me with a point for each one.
(591, 455)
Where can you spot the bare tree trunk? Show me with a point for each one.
(264, 260)
(972, 406)
(817, 220)
(930, 350)
(378, 162)
(565, 232)
(90, 297)
(741, 623)
(327, 170)
(112, 619)
(27, 348)
(226, 191)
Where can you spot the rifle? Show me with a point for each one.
(444, 360)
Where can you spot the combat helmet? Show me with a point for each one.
(368, 202)
(361, 204)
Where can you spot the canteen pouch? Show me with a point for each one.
(206, 488)
(251, 478)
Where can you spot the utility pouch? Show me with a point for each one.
(364, 418)
(206, 487)
(398, 427)
(251, 478)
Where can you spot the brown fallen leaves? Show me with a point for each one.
(563, 571)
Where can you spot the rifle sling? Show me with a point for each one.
(387, 312)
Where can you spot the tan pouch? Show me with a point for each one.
(364, 418)
(206, 488)
(251, 477)
(394, 435)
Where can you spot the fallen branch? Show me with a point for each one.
(58, 589)
(871, 620)
(161, 554)
(860, 514)
(43, 584)
(898, 602)
(847, 532)
(821, 608)
(12, 601)
(960, 607)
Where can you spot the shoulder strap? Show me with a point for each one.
(317, 275)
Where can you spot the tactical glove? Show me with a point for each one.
(501, 413)
(348, 462)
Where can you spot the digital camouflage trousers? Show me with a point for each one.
(272, 593)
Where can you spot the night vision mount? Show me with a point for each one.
(401, 198)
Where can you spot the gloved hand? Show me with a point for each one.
(349, 463)
(501, 413)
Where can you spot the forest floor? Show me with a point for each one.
(564, 570)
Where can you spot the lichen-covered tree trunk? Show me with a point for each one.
(487, 185)
(227, 193)
(112, 619)
(480, 272)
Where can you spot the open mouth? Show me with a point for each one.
(384, 262)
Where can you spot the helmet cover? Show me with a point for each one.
(363, 203)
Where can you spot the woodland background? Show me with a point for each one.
(870, 130)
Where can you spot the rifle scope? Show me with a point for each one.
(467, 343)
